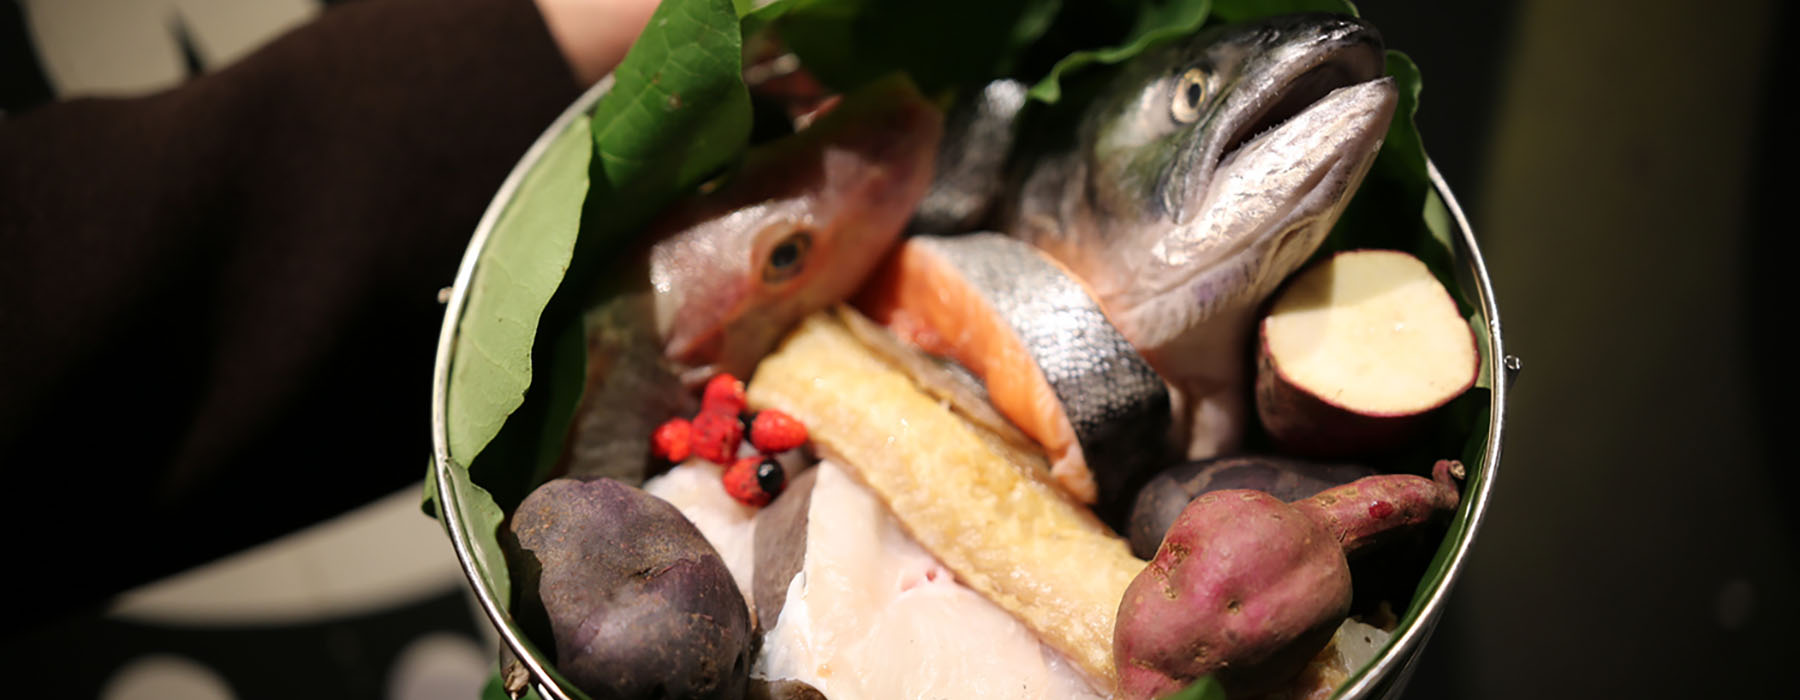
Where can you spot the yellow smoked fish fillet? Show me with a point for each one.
(1002, 526)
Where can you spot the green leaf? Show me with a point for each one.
(1403, 138)
(483, 518)
(754, 19)
(1397, 208)
(1240, 10)
(1203, 689)
(678, 110)
(941, 44)
(1482, 340)
(521, 267)
(1156, 22)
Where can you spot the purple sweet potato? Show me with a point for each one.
(1243, 585)
(1161, 500)
(1364, 513)
(1248, 588)
(639, 603)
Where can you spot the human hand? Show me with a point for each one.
(593, 35)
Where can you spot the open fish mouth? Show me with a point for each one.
(1302, 166)
(1303, 105)
(1268, 205)
(1345, 55)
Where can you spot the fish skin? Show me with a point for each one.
(697, 302)
(1117, 405)
(940, 377)
(1182, 229)
(849, 182)
(979, 133)
(1113, 402)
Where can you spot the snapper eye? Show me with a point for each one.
(787, 258)
(1190, 91)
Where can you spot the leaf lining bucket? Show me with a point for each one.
(523, 665)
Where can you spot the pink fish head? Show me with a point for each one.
(796, 229)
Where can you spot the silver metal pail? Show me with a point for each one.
(1385, 678)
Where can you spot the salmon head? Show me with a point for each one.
(796, 229)
(1204, 175)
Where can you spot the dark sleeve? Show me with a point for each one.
(218, 303)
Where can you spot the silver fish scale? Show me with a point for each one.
(1117, 404)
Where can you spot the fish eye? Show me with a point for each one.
(787, 258)
(1190, 91)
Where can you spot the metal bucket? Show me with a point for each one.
(1385, 678)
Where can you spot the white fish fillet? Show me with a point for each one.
(1358, 644)
(873, 615)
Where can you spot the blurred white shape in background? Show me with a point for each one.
(438, 666)
(383, 554)
(224, 30)
(126, 47)
(164, 676)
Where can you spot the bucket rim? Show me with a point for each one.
(1396, 657)
(1383, 672)
(449, 509)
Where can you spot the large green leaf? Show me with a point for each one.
(1156, 22)
(521, 267)
(939, 43)
(484, 517)
(1397, 207)
(676, 112)
(1240, 10)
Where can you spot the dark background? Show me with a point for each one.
(1628, 172)
(1626, 167)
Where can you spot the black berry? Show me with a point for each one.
(770, 477)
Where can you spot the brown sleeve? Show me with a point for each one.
(217, 303)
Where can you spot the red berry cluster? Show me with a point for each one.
(714, 435)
